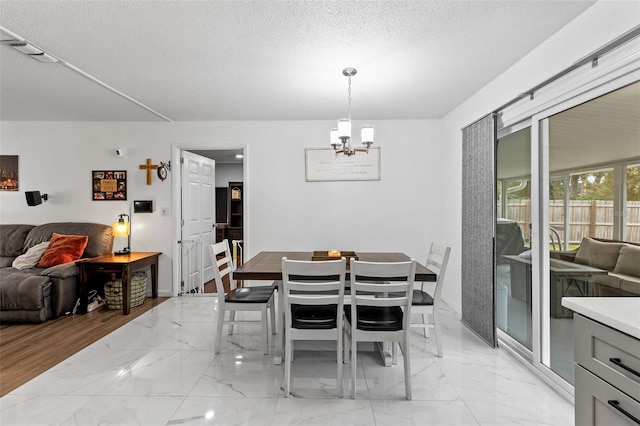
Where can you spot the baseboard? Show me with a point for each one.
(457, 309)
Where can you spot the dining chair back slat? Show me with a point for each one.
(374, 315)
(426, 305)
(238, 299)
(313, 294)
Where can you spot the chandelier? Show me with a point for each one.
(341, 136)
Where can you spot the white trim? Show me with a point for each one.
(615, 64)
(176, 179)
(563, 388)
(629, 73)
(616, 69)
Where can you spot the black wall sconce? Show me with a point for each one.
(34, 198)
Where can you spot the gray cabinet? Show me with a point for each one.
(607, 367)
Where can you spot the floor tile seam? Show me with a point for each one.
(460, 398)
(17, 390)
(204, 371)
(69, 419)
(413, 398)
(173, 414)
(473, 414)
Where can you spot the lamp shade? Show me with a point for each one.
(121, 229)
(333, 137)
(344, 128)
(366, 134)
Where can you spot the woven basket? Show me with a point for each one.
(113, 291)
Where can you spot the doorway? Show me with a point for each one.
(566, 174)
(229, 164)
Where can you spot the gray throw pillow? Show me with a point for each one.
(628, 261)
(598, 254)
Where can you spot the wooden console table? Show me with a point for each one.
(123, 264)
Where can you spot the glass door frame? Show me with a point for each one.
(582, 86)
(513, 344)
(540, 179)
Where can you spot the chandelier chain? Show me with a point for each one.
(349, 98)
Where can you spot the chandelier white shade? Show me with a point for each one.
(340, 137)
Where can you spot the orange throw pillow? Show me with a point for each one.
(63, 249)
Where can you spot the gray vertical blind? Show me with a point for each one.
(478, 225)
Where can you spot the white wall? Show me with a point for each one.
(228, 172)
(598, 25)
(416, 202)
(283, 211)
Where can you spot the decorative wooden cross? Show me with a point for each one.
(148, 167)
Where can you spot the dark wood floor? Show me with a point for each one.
(27, 350)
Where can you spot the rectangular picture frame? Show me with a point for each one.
(322, 165)
(108, 185)
(9, 173)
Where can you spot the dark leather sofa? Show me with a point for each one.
(35, 295)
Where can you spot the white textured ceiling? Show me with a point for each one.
(604, 130)
(265, 60)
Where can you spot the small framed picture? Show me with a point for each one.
(8, 172)
(236, 194)
(109, 185)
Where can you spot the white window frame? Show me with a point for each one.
(616, 69)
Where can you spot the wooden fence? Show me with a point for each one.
(592, 218)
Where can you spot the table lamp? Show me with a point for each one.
(122, 228)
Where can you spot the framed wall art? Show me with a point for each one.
(8, 172)
(322, 164)
(109, 185)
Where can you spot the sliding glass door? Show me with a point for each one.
(592, 169)
(566, 177)
(513, 236)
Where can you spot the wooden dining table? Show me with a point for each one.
(267, 266)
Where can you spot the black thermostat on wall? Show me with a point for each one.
(143, 206)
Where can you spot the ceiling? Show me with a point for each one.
(227, 156)
(263, 60)
(601, 131)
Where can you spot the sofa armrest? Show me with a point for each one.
(568, 256)
(64, 270)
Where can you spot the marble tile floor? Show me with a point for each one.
(160, 369)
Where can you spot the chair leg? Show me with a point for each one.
(347, 345)
(265, 329)
(394, 353)
(407, 369)
(438, 331)
(218, 341)
(354, 364)
(232, 317)
(272, 309)
(287, 364)
(339, 360)
(426, 326)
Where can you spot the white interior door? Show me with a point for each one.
(198, 220)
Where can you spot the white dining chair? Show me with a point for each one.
(377, 316)
(427, 306)
(238, 299)
(313, 294)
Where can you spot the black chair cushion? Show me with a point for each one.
(316, 317)
(250, 294)
(420, 298)
(377, 318)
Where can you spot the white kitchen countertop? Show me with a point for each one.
(621, 313)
